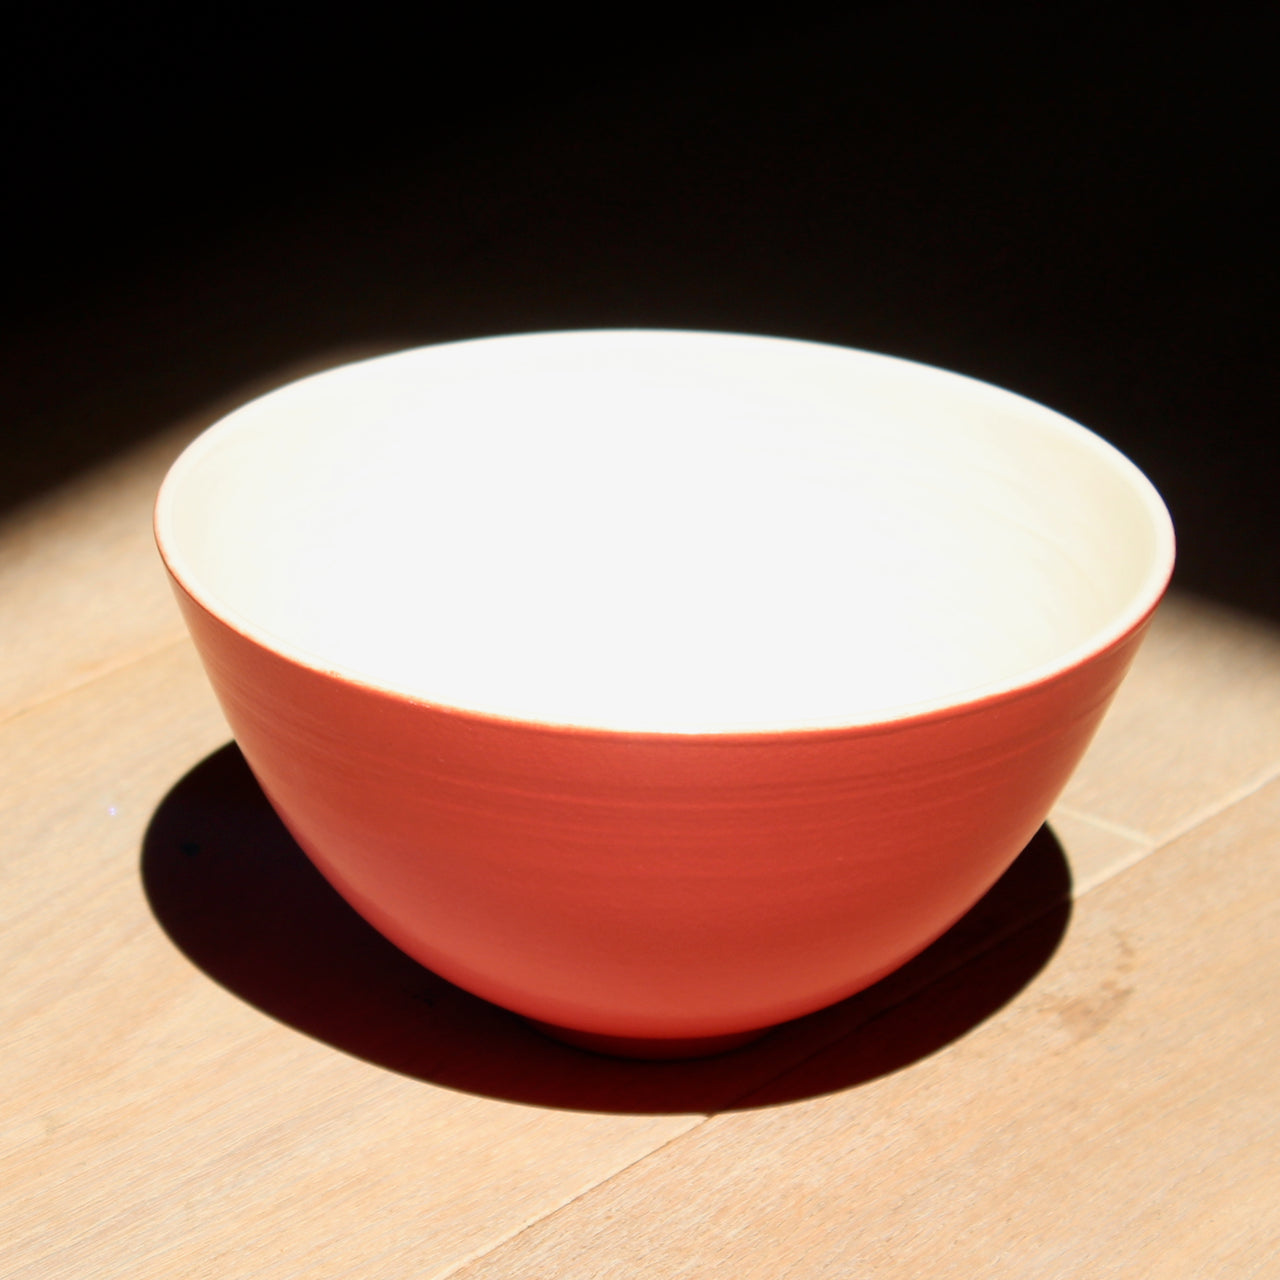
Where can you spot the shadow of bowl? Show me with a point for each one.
(236, 895)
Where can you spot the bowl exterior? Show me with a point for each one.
(650, 886)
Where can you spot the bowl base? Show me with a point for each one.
(649, 1047)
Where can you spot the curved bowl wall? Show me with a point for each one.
(649, 890)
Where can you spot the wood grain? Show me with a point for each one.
(1120, 1118)
(157, 1125)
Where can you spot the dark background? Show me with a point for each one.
(1063, 198)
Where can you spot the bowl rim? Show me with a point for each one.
(1126, 622)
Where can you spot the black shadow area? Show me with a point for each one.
(240, 899)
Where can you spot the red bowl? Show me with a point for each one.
(660, 687)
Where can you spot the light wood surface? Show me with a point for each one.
(210, 1068)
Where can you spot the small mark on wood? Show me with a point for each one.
(1086, 1016)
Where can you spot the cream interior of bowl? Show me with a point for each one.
(663, 531)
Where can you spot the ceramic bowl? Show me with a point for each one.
(661, 687)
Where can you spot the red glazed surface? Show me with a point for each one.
(652, 886)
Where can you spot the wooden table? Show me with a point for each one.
(212, 1068)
